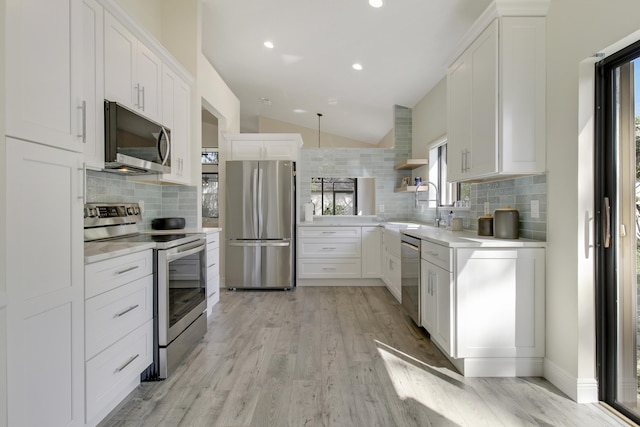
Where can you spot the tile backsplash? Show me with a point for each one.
(159, 200)
(514, 192)
(353, 163)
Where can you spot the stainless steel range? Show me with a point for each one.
(179, 280)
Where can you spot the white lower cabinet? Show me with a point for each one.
(119, 329)
(391, 262)
(371, 252)
(484, 307)
(329, 253)
(500, 300)
(213, 270)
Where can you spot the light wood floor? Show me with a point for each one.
(335, 356)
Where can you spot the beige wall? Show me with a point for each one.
(146, 13)
(3, 209)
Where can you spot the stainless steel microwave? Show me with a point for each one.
(133, 143)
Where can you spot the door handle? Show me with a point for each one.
(606, 229)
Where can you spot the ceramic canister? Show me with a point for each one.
(485, 225)
(507, 223)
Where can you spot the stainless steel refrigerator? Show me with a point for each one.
(260, 219)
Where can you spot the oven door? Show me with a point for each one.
(181, 293)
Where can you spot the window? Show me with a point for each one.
(334, 196)
(449, 193)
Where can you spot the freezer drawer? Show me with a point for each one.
(259, 264)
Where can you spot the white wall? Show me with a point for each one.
(310, 136)
(576, 29)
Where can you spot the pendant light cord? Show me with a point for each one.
(319, 115)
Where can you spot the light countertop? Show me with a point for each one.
(441, 236)
(99, 251)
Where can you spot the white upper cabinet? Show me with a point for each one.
(44, 72)
(132, 71)
(93, 83)
(496, 102)
(263, 146)
(176, 103)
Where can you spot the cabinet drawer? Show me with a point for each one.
(213, 240)
(329, 248)
(213, 290)
(330, 268)
(109, 274)
(113, 314)
(329, 232)
(436, 254)
(109, 374)
(213, 260)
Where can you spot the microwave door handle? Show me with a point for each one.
(164, 132)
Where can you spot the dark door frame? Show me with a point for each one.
(605, 174)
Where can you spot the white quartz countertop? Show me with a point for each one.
(467, 239)
(99, 251)
(441, 236)
(340, 224)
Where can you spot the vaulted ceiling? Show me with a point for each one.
(403, 48)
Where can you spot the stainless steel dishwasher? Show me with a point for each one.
(410, 275)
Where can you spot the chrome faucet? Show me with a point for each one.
(435, 187)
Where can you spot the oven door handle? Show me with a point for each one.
(188, 250)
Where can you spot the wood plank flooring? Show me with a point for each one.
(335, 356)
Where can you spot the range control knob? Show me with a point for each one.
(129, 211)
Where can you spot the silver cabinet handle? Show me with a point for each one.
(122, 313)
(211, 265)
(135, 267)
(83, 133)
(127, 363)
(328, 232)
(328, 269)
(137, 87)
(211, 294)
(143, 100)
(329, 249)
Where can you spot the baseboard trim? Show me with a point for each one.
(340, 282)
(581, 390)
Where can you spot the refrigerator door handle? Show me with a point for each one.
(254, 214)
(259, 205)
(279, 243)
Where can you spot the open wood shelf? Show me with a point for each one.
(411, 164)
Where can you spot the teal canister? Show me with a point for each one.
(507, 223)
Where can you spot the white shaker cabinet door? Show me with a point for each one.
(371, 252)
(120, 47)
(132, 72)
(45, 285)
(93, 83)
(44, 72)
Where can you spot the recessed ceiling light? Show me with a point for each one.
(375, 3)
(268, 44)
(299, 111)
(357, 66)
(265, 101)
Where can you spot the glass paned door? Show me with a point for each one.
(617, 171)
